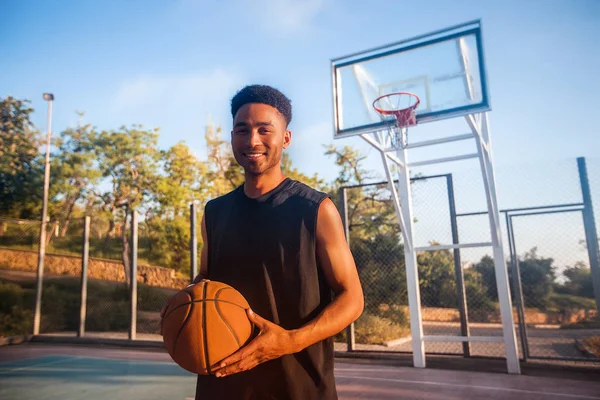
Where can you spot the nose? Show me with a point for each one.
(254, 138)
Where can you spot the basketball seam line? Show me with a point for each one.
(204, 332)
(237, 340)
(187, 317)
(201, 301)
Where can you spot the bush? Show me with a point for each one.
(151, 298)
(107, 305)
(564, 302)
(372, 329)
(17, 322)
(15, 318)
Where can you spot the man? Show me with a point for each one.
(282, 245)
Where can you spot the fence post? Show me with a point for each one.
(84, 276)
(517, 286)
(589, 224)
(350, 339)
(133, 298)
(193, 242)
(458, 271)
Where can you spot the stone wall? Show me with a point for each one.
(55, 264)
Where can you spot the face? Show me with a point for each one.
(259, 135)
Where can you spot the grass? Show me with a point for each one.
(372, 329)
(561, 302)
(585, 324)
(593, 345)
(107, 306)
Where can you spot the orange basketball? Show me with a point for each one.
(203, 324)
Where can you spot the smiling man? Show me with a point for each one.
(282, 245)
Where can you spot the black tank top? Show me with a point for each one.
(265, 248)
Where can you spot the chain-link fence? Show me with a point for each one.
(547, 247)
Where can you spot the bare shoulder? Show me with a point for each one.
(329, 222)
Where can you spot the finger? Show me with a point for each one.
(244, 365)
(257, 320)
(236, 357)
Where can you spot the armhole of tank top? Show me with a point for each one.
(320, 201)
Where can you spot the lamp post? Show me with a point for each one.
(49, 97)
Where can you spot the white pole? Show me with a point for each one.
(403, 207)
(481, 132)
(410, 256)
(42, 250)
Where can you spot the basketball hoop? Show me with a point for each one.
(399, 106)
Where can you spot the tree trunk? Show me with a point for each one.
(125, 257)
(65, 226)
(111, 228)
(51, 233)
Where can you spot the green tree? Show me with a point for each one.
(381, 268)
(183, 180)
(75, 173)
(537, 279)
(224, 173)
(437, 279)
(485, 268)
(21, 164)
(476, 291)
(370, 208)
(579, 281)
(291, 172)
(128, 160)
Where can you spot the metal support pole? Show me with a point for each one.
(350, 337)
(589, 223)
(133, 279)
(480, 130)
(517, 286)
(42, 250)
(193, 242)
(84, 275)
(403, 206)
(458, 271)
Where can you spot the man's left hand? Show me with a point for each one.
(272, 342)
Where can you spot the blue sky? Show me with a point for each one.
(176, 64)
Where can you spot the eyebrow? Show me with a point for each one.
(244, 124)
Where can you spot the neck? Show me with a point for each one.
(257, 185)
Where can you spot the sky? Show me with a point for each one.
(176, 64)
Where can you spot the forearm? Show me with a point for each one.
(343, 310)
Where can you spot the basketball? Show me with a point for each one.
(203, 324)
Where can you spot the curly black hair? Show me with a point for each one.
(262, 94)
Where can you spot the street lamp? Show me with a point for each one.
(49, 97)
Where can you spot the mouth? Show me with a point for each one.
(253, 155)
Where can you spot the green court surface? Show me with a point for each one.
(53, 372)
(76, 377)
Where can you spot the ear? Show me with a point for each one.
(287, 139)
